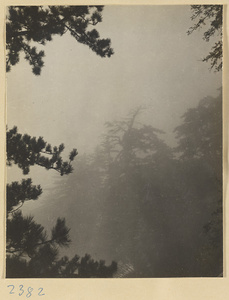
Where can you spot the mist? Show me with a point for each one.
(147, 124)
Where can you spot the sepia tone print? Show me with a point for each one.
(114, 141)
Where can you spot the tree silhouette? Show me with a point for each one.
(18, 193)
(156, 208)
(27, 25)
(26, 151)
(200, 135)
(137, 164)
(129, 183)
(200, 144)
(25, 237)
(212, 15)
(159, 201)
(31, 252)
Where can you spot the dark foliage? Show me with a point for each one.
(200, 135)
(27, 25)
(44, 266)
(26, 151)
(159, 210)
(211, 16)
(31, 253)
(25, 236)
(200, 142)
(17, 193)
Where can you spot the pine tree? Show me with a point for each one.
(200, 150)
(212, 15)
(26, 151)
(30, 251)
(27, 25)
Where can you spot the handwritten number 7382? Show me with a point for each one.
(27, 292)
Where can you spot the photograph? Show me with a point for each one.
(114, 141)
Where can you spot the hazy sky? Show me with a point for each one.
(155, 65)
